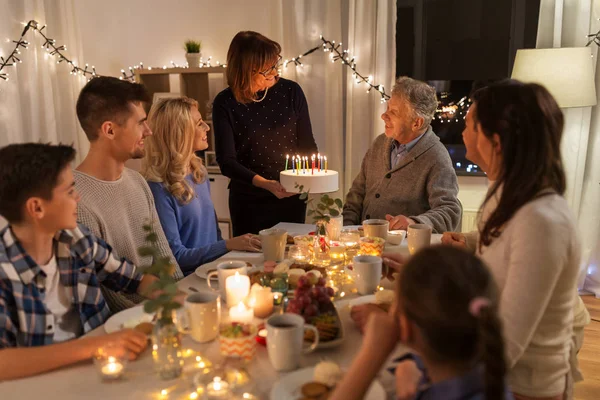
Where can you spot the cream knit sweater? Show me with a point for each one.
(116, 212)
(535, 263)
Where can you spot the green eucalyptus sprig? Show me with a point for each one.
(192, 46)
(162, 268)
(322, 211)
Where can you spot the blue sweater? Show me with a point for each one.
(191, 229)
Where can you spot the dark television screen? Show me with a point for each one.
(449, 121)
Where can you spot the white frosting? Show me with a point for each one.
(328, 373)
(319, 182)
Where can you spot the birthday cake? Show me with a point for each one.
(323, 181)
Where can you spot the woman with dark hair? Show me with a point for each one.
(259, 119)
(446, 309)
(526, 233)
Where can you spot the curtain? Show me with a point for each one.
(38, 100)
(345, 117)
(371, 35)
(566, 23)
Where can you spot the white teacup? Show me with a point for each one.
(224, 270)
(201, 316)
(285, 338)
(273, 243)
(376, 228)
(367, 273)
(419, 237)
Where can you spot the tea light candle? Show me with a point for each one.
(237, 288)
(112, 369)
(261, 300)
(337, 251)
(217, 389)
(261, 337)
(241, 313)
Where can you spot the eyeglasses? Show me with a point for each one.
(273, 68)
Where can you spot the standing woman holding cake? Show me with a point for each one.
(259, 119)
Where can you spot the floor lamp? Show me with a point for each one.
(568, 74)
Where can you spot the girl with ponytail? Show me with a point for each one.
(446, 310)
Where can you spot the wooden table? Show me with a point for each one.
(140, 382)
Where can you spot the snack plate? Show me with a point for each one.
(289, 386)
(340, 337)
(128, 318)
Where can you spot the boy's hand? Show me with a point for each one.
(131, 342)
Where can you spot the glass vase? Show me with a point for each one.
(166, 347)
(321, 244)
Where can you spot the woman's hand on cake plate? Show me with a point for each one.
(247, 242)
(272, 186)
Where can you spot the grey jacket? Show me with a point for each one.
(423, 186)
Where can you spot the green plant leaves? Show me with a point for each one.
(338, 202)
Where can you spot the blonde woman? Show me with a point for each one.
(180, 187)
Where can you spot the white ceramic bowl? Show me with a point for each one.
(396, 237)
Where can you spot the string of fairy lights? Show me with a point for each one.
(445, 113)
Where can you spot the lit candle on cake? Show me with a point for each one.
(325, 157)
(241, 313)
(287, 157)
(318, 161)
(293, 164)
(313, 164)
(237, 288)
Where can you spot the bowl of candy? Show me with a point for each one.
(237, 340)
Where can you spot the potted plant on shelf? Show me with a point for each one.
(193, 53)
(166, 341)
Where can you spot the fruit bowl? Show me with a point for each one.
(312, 300)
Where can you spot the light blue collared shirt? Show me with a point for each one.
(400, 150)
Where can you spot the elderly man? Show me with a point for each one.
(406, 176)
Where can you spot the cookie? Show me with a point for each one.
(144, 327)
(314, 389)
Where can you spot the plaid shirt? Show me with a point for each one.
(83, 261)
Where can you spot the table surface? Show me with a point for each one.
(140, 381)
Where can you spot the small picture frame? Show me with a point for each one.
(210, 159)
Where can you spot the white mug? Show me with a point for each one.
(201, 316)
(285, 338)
(367, 272)
(224, 270)
(273, 243)
(418, 237)
(376, 228)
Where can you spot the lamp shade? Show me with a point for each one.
(567, 73)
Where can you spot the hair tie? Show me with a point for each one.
(477, 304)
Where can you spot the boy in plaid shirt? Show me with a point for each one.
(51, 268)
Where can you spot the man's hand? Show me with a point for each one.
(360, 314)
(454, 239)
(399, 222)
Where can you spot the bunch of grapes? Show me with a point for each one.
(311, 297)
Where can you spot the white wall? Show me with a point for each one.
(117, 34)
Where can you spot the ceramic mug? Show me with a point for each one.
(285, 338)
(225, 270)
(418, 237)
(273, 243)
(200, 316)
(367, 273)
(376, 228)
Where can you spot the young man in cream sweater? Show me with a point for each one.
(116, 201)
